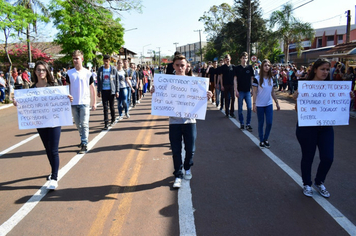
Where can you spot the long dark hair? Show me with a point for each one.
(262, 73)
(315, 66)
(50, 79)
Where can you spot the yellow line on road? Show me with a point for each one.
(98, 225)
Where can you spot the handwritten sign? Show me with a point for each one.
(43, 107)
(180, 96)
(323, 103)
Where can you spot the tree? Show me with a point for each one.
(14, 18)
(290, 29)
(216, 18)
(268, 48)
(31, 5)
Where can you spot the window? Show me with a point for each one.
(330, 38)
(340, 37)
(320, 42)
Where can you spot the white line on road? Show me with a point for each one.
(18, 144)
(342, 220)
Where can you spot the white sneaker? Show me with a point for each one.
(188, 174)
(322, 190)
(127, 116)
(307, 190)
(177, 183)
(53, 184)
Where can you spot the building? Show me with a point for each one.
(325, 40)
(191, 51)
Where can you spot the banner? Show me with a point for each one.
(323, 103)
(180, 96)
(43, 107)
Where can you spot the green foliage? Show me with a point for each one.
(269, 48)
(86, 26)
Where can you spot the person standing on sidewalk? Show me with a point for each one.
(50, 136)
(242, 88)
(108, 89)
(182, 128)
(263, 93)
(81, 87)
(227, 72)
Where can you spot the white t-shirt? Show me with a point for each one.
(264, 93)
(80, 85)
(122, 78)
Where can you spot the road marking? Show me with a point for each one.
(99, 223)
(18, 145)
(6, 106)
(185, 207)
(342, 220)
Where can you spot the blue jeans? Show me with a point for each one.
(309, 138)
(129, 96)
(2, 94)
(50, 139)
(81, 115)
(261, 113)
(247, 97)
(189, 134)
(217, 95)
(122, 101)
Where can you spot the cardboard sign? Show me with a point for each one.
(323, 103)
(180, 96)
(43, 107)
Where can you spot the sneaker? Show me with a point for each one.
(120, 117)
(242, 127)
(80, 145)
(177, 183)
(53, 184)
(227, 116)
(188, 174)
(307, 190)
(267, 144)
(83, 149)
(127, 116)
(262, 145)
(249, 128)
(105, 127)
(322, 190)
(49, 177)
(138, 102)
(232, 116)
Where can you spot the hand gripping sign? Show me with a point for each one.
(180, 96)
(323, 103)
(43, 107)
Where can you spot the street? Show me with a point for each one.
(123, 184)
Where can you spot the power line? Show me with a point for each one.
(327, 19)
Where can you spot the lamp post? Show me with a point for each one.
(143, 52)
(201, 51)
(159, 57)
(176, 45)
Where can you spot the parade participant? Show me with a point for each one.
(311, 137)
(217, 81)
(182, 128)
(245, 75)
(170, 69)
(263, 93)
(133, 74)
(108, 89)
(50, 136)
(211, 74)
(122, 99)
(189, 70)
(2, 87)
(81, 87)
(227, 72)
(129, 86)
(140, 83)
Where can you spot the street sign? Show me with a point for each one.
(254, 58)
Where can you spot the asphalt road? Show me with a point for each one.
(122, 186)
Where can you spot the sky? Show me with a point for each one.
(165, 22)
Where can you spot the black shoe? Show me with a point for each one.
(83, 149)
(105, 127)
(242, 127)
(233, 115)
(226, 115)
(267, 144)
(80, 145)
(262, 145)
(249, 128)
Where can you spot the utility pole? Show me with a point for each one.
(176, 45)
(159, 56)
(249, 31)
(201, 50)
(348, 26)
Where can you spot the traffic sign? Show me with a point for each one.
(254, 58)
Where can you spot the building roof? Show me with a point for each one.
(331, 30)
(344, 50)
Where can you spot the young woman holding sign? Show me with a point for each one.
(182, 129)
(42, 77)
(311, 137)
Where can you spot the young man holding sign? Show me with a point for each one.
(81, 87)
(182, 128)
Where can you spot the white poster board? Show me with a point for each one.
(180, 96)
(323, 103)
(43, 107)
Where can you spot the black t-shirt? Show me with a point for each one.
(228, 73)
(211, 74)
(244, 77)
(203, 72)
(170, 69)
